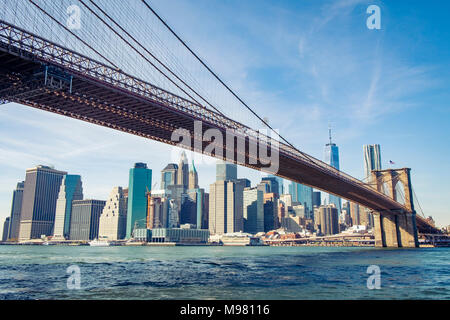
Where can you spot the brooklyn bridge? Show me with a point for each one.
(104, 73)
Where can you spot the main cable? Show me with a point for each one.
(138, 52)
(67, 29)
(227, 87)
(147, 51)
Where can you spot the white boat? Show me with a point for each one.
(99, 243)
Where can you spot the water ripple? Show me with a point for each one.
(222, 273)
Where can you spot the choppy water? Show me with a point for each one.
(39, 272)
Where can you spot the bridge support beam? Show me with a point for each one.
(390, 230)
(395, 230)
(408, 230)
(378, 230)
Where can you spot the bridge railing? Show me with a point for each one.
(20, 40)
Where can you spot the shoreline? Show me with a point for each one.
(173, 244)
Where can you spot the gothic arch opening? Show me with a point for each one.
(386, 189)
(400, 192)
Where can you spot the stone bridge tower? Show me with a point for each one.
(395, 228)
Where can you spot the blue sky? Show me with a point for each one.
(302, 64)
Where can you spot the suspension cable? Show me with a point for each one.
(138, 52)
(223, 83)
(417, 199)
(67, 29)
(146, 50)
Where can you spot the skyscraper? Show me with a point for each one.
(169, 175)
(225, 171)
(113, 220)
(84, 223)
(5, 234)
(304, 195)
(253, 206)
(372, 159)
(139, 184)
(317, 201)
(183, 171)
(158, 210)
(244, 182)
(195, 208)
(70, 189)
(173, 220)
(218, 207)
(286, 199)
(355, 213)
(193, 177)
(273, 183)
(346, 217)
(332, 158)
(178, 195)
(202, 207)
(270, 211)
(40, 194)
(280, 183)
(226, 207)
(281, 212)
(188, 213)
(328, 220)
(226, 200)
(16, 207)
(204, 211)
(235, 201)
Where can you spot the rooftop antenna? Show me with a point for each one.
(329, 132)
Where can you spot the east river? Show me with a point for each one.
(47, 272)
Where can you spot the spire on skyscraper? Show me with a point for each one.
(329, 131)
(329, 135)
(183, 171)
(193, 169)
(193, 177)
(183, 159)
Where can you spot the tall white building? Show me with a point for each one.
(70, 189)
(372, 158)
(372, 161)
(113, 220)
(226, 207)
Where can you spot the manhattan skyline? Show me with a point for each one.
(29, 137)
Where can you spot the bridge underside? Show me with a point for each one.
(31, 80)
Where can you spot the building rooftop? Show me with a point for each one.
(171, 166)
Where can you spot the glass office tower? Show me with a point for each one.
(332, 158)
(139, 184)
(303, 195)
(225, 171)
